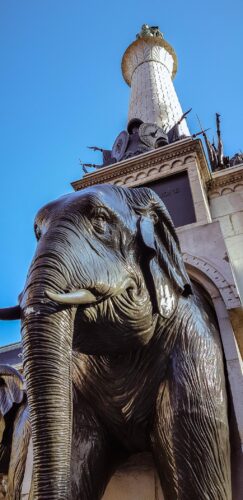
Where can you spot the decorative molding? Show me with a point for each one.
(226, 190)
(227, 290)
(232, 176)
(148, 165)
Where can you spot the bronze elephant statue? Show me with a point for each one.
(107, 287)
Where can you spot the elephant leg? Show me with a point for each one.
(92, 460)
(190, 440)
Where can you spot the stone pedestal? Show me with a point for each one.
(135, 480)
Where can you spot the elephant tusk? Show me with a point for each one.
(81, 296)
(85, 297)
(9, 313)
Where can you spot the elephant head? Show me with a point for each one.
(107, 268)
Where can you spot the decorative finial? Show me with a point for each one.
(149, 31)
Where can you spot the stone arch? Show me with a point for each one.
(232, 355)
(238, 187)
(227, 290)
(118, 183)
(165, 165)
(152, 171)
(189, 159)
(226, 191)
(176, 163)
(141, 175)
(130, 178)
(215, 194)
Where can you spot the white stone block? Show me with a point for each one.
(237, 223)
(226, 204)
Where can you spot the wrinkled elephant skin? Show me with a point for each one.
(108, 304)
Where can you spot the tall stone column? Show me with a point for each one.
(148, 66)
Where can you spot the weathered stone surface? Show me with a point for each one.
(236, 316)
(226, 205)
(148, 66)
(135, 480)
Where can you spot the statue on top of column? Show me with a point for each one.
(148, 31)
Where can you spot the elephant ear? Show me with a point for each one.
(11, 388)
(12, 394)
(161, 259)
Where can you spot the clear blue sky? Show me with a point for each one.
(61, 89)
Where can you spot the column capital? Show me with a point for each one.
(146, 49)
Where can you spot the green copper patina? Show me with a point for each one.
(148, 31)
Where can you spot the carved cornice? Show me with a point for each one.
(232, 175)
(115, 173)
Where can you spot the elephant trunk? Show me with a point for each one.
(47, 339)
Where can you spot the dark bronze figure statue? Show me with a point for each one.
(108, 304)
(139, 138)
(149, 31)
(220, 149)
(237, 159)
(216, 156)
(15, 430)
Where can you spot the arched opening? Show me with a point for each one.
(233, 367)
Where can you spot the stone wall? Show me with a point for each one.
(226, 206)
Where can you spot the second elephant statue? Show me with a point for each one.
(15, 430)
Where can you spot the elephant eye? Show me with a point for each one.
(99, 221)
(37, 232)
(100, 217)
